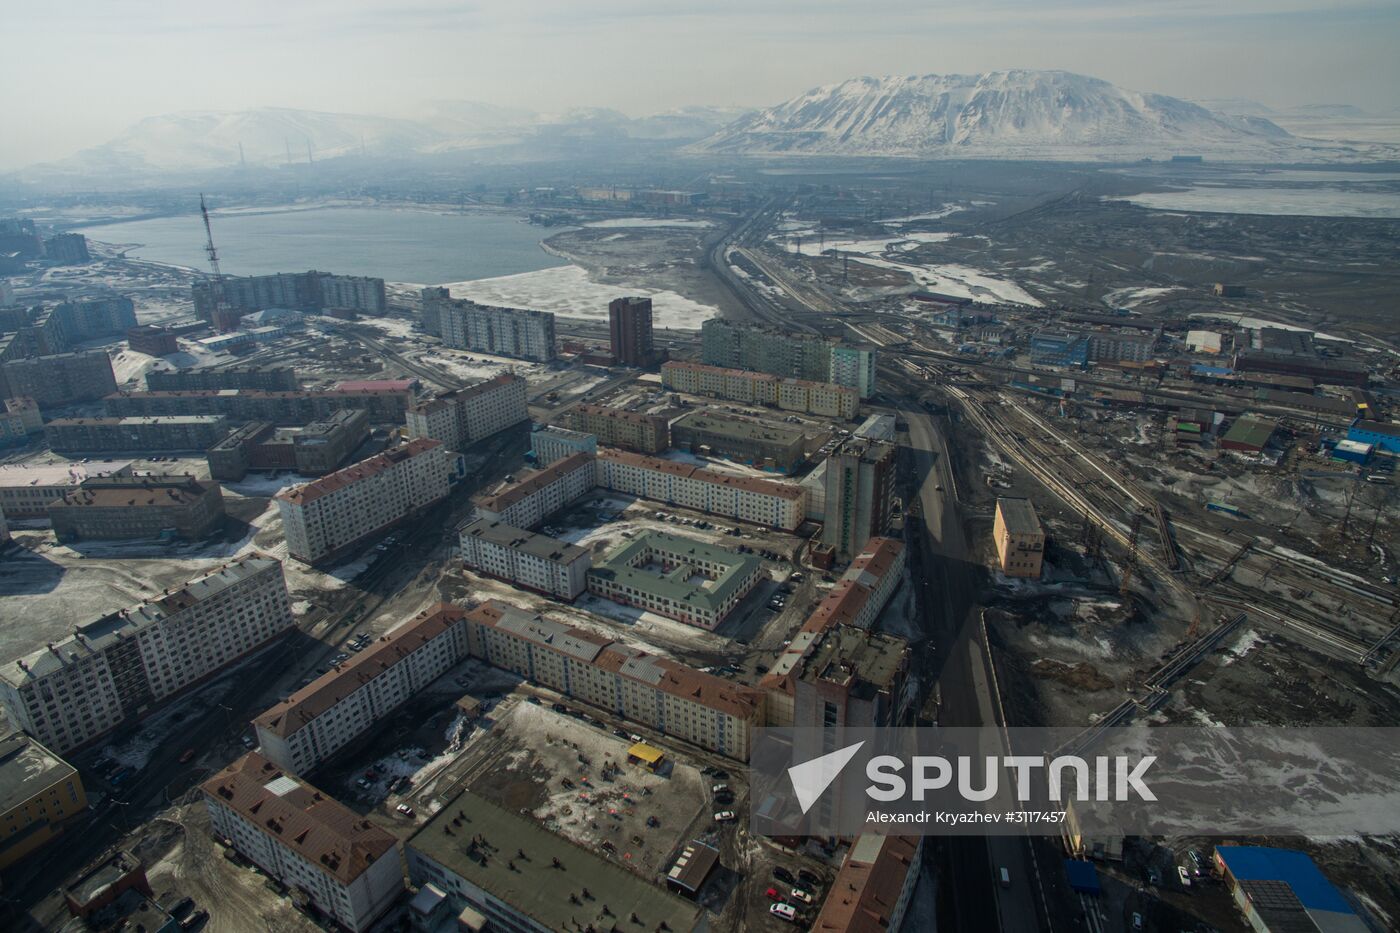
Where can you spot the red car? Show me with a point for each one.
(774, 894)
(187, 756)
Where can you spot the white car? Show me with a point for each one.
(719, 788)
(724, 816)
(800, 895)
(405, 809)
(1185, 878)
(784, 912)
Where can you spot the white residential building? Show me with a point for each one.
(343, 863)
(125, 665)
(464, 416)
(538, 495)
(743, 498)
(466, 325)
(333, 514)
(535, 562)
(549, 444)
(790, 394)
(336, 708)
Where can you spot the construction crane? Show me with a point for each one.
(215, 315)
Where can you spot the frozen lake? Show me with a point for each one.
(398, 245)
(1374, 198)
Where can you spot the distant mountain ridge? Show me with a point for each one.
(1008, 114)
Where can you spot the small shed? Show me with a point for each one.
(469, 706)
(694, 865)
(648, 756)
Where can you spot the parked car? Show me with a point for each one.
(800, 895)
(724, 816)
(784, 912)
(187, 756)
(195, 920)
(782, 874)
(1185, 878)
(773, 894)
(719, 788)
(181, 907)
(405, 809)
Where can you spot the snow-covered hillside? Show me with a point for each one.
(1006, 114)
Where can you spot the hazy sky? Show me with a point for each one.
(76, 73)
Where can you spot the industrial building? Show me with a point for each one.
(464, 416)
(301, 407)
(27, 490)
(1283, 891)
(304, 291)
(342, 864)
(616, 427)
(1383, 435)
(549, 885)
(335, 514)
(1248, 434)
(338, 707)
(874, 887)
(742, 498)
(19, 418)
(877, 428)
(1019, 537)
(782, 353)
(127, 435)
(39, 794)
(266, 378)
(772, 446)
(59, 379)
(549, 444)
(630, 332)
(662, 694)
(533, 562)
(465, 325)
(319, 447)
(540, 493)
(127, 664)
(789, 394)
(680, 578)
(859, 495)
(125, 507)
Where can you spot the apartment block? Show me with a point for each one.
(865, 588)
(318, 448)
(515, 332)
(336, 513)
(534, 562)
(746, 440)
(550, 444)
(127, 664)
(338, 707)
(854, 367)
(383, 406)
(19, 418)
(59, 379)
(662, 694)
(152, 341)
(305, 291)
(742, 498)
(67, 249)
(781, 353)
(26, 490)
(616, 427)
(630, 332)
(343, 864)
(859, 494)
(129, 507)
(39, 794)
(677, 577)
(1019, 538)
(539, 494)
(267, 378)
(465, 416)
(121, 435)
(108, 316)
(874, 887)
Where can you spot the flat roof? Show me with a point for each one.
(327, 834)
(619, 414)
(57, 474)
(140, 420)
(518, 539)
(867, 887)
(732, 426)
(866, 662)
(558, 884)
(111, 492)
(693, 865)
(1297, 869)
(675, 583)
(1388, 428)
(1251, 431)
(1018, 515)
(26, 769)
(754, 484)
(352, 474)
(535, 481)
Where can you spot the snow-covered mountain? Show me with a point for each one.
(1001, 114)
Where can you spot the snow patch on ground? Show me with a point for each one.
(647, 222)
(1132, 297)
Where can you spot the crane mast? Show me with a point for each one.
(216, 316)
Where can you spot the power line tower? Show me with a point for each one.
(216, 313)
(1130, 566)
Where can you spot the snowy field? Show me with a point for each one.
(959, 281)
(1307, 202)
(1132, 297)
(570, 292)
(630, 222)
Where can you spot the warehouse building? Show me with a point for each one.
(746, 440)
(1249, 434)
(680, 578)
(123, 435)
(152, 340)
(126, 507)
(302, 407)
(266, 378)
(342, 864)
(39, 794)
(27, 490)
(534, 562)
(615, 427)
(659, 693)
(742, 498)
(1383, 435)
(549, 885)
(465, 325)
(317, 448)
(550, 444)
(335, 514)
(127, 664)
(826, 399)
(464, 416)
(540, 493)
(1283, 891)
(1019, 537)
(338, 707)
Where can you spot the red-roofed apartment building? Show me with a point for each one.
(872, 891)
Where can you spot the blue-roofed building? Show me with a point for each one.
(1059, 348)
(1284, 890)
(1383, 434)
(1083, 877)
(1213, 372)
